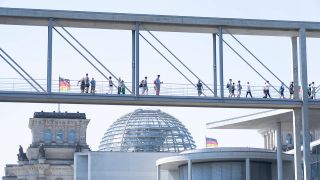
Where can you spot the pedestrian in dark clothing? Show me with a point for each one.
(233, 87)
(119, 85)
(266, 90)
(281, 90)
(82, 84)
(291, 89)
(93, 86)
(199, 88)
(87, 83)
(123, 87)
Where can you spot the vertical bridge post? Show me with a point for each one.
(305, 104)
(133, 62)
(214, 53)
(49, 57)
(137, 32)
(221, 61)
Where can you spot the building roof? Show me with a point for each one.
(59, 115)
(220, 154)
(147, 130)
(264, 120)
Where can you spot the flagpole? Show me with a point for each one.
(59, 93)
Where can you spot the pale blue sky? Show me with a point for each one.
(28, 46)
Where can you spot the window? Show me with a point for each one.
(47, 136)
(72, 136)
(288, 139)
(59, 136)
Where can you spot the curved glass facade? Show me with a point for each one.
(147, 131)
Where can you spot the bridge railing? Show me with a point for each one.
(168, 89)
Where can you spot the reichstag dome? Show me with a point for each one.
(146, 130)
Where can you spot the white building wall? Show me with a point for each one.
(118, 165)
(81, 167)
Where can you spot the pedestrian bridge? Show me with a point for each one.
(182, 95)
(172, 94)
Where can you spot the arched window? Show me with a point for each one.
(72, 136)
(59, 136)
(47, 136)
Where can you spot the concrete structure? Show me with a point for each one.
(117, 165)
(55, 138)
(277, 129)
(224, 164)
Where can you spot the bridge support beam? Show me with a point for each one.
(221, 61)
(297, 143)
(49, 57)
(189, 169)
(137, 32)
(295, 69)
(279, 151)
(305, 103)
(133, 62)
(214, 54)
(247, 168)
(158, 172)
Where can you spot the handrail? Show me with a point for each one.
(169, 89)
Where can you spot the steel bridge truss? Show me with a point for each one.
(218, 27)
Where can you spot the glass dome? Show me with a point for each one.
(147, 131)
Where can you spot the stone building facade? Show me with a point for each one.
(56, 137)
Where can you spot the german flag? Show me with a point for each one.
(64, 84)
(211, 142)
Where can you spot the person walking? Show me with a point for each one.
(281, 90)
(199, 88)
(82, 84)
(291, 89)
(239, 89)
(313, 90)
(233, 88)
(123, 87)
(119, 85)
(141, 85)
(157, 83)
(93, 86)
(110, 85)
(248, 90)
(266, 90)
(229, 86)
(146, 89)
(87, 83)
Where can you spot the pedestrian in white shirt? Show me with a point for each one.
(248, 90)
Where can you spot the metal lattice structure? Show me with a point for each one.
(147, 131)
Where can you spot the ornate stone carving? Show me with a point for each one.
(42, 152)
(22, 156)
